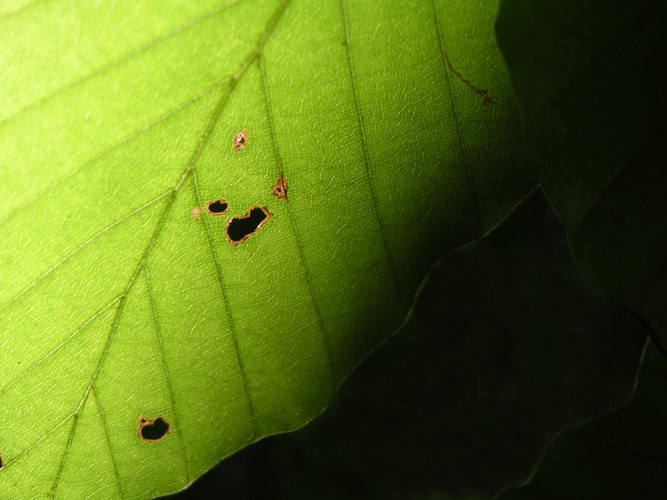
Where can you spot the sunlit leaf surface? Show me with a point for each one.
(142, 339)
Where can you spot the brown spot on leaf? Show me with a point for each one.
(241, 228)
(281, 187)
(240, 141)
(483, 92)
(217, 207)
(151, 430)
(196, 212)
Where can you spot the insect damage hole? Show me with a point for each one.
(217, 207)
(2, 463)
(281, 187)
(240, 229)
(151, 430)
(240, 141)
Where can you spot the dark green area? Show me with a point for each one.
(507, 346)
(619, 455)
(590, 79)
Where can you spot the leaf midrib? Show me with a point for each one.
(271, 25)
(171, 197)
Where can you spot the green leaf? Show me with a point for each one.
(491, 389)
(618, 455)
(118, 307)
(590, 80)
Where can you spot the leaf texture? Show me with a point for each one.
(117, 304)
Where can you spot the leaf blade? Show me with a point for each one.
(226, 343)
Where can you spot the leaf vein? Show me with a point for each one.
(230, 316)
(14, 211)
(58, 347)
(295, 230)
(364, 141)
(172, 397)
(466, 161)
(119, 61)
(142, 261)
(89, 241)
(46, 434)
(108, 440)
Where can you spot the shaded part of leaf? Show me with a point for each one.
(155, 429)
(483, 92)
(622, 243)
(455, 109)
(547, 353)
(545, 50)
(364, 142)
(598, 135)
(217, 207)
(240, 229)
(617, 455)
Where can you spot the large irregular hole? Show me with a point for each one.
(153, 429)
(217, 207)
(241, 228)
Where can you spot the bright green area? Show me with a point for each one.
(590, 79)
(116, 303)
(618, 455)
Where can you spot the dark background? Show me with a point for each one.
(508, 345)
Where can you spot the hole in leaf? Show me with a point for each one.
(152, 430)
(241, 140)
(2, 463)
(217, 207)
(241, 228)
(196, 212)
(281, 187)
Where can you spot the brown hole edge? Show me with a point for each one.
(246, 216)
(214, 213)
(281, 188)
(240, 141)
(145, 423)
